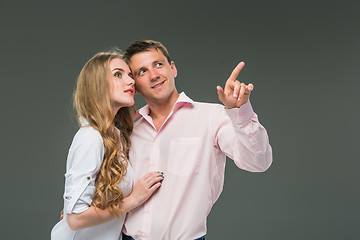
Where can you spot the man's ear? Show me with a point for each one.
(173, 67)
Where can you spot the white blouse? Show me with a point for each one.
(83, 163)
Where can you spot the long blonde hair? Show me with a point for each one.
(92, 102)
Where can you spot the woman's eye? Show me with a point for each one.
(117, 74)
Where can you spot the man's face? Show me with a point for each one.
(154, 76)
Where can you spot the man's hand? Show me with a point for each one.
(235, 94)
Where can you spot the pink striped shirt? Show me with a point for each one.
(191, 149)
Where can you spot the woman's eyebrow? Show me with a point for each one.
(119, 69)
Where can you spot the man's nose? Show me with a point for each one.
(154, 75)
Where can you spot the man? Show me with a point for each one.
(189, 142)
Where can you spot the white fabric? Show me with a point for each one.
(83, 163)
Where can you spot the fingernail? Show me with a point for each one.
(238, 99)
(235, 95)
(162, 173)
(158, 172)
(162, 176)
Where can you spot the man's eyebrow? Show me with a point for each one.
(159, 60)
(138, 70)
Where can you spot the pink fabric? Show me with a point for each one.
(191, 149)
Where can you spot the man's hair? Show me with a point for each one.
(145, 45)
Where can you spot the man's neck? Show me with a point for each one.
(159, 111)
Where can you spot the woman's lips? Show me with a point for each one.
(130, 90)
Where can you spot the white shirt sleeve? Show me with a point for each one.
(84, 160)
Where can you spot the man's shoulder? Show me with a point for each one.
(206, 105)
(199, 104)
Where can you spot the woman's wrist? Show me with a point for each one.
(129, 203)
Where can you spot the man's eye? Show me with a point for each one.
(141, 72)
(117, 74)
(159, 64)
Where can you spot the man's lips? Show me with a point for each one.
(158, 85)
(130, 90)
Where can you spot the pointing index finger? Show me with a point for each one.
(236, 71)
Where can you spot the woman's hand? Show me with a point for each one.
(93, 216)
(62, 215)
(145, 187)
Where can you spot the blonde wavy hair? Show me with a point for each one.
(92, 102)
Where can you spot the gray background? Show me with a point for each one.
(302, 56)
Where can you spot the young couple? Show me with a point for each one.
(175, 151)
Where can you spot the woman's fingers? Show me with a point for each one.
(62, 215)
(155, 180)
(155, 186)
(146, 186)
(151, 178)
(150, 175)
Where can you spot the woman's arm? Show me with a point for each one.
(93, 216)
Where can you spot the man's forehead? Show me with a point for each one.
(146, 56)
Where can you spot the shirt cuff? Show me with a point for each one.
(242, 115)
(79, 197)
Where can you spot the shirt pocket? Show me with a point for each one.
(184, 156)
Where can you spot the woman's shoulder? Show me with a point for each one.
(87, 136)
(87, 148)
(88, 133)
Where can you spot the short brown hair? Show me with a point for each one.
(145, 45)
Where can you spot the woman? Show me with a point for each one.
(98, 185)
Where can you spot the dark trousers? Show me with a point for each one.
(126, 237)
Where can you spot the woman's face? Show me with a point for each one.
(121, 85)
